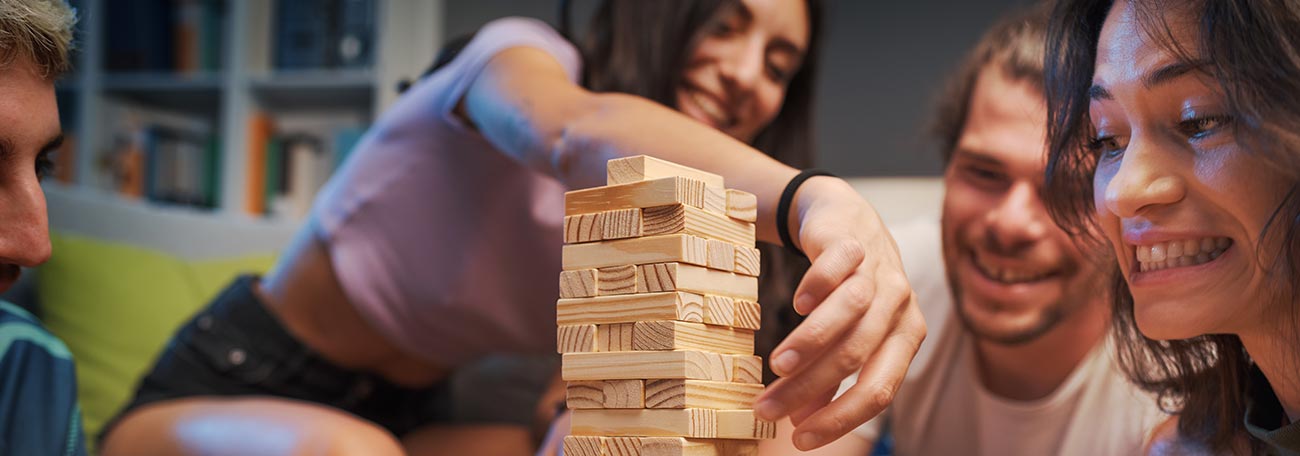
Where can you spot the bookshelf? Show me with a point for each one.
(191, 109)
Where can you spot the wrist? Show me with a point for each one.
(789, 214)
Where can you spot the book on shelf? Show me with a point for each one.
(180, 36)
(324, 34)
(159, 156)
(294, 156)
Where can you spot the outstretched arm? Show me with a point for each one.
(859, 305)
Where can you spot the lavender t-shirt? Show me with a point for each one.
(443, 243)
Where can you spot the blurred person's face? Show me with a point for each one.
(29, 130)
(1182, 204)
(736, 79)
(1014, 274)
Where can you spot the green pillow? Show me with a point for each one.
(116, 305)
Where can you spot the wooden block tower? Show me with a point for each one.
(657, 313)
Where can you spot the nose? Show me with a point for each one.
(24, 230)
(742, 68)
(1019, 220)
(1143, 181)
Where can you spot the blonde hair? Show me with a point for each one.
(37, 29)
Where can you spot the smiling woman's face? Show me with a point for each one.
(736, 79)
(1179, 199)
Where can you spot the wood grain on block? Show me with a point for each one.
(583, 228)
(621, 224)
(615, 337)
(719, 310)
(742, 205)
(698, 423)
(680, 218)
(606, 394)
(699, 394)
(742, 424)
(650, 193)
(623, 446)
(584, 445)
(648, 365)
(747, 261)
(602, 226)
(684, 277)
(749, 314)
(722, 255)
(680, 248)
(641, 167)
(679, 335)
(578, 284)
(630, 308)
(746, 369)
(679, 446)
(576, 338)
(617, 280)
(715, 201)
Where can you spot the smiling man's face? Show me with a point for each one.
(29, 130)
(1014, 274)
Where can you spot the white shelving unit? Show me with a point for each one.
(408, 34)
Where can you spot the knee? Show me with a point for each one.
(347, 438)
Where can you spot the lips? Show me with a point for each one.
(709, 106)
(1007, 274)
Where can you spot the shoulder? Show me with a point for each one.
(1165, 441)
(21, 331)
(522, 31)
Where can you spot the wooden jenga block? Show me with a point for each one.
(650, 193)
(678, 446)
(684, 277)
(584, 445)
(722, 255)
(746, 369)
(583, 228)
(742, 424)
(576, 338)
(621, 223)
(606, 394)
(652, 249)
(648, 365)
(678, 335)
(715, 201)
(719, 310)
(679, 218)
(747, 261)
(578, 284)
(642, 167)
(623, 446)
(742, 205)
(615, 337)
(699, 423)
(617, 280)
(677, 393)
(630, 308)
(602, 226)
(749, 314)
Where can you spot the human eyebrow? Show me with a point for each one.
(1171, 71)
(1097, 92)
(53, 143)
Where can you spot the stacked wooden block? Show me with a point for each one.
(657, 313)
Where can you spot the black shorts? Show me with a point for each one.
(235, 347)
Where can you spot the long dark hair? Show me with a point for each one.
(1253, 50)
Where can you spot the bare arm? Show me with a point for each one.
(861, 317)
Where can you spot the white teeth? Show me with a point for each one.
(1189, 252)
(710, 108)
(1007, 275)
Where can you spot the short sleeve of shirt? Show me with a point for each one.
(497, 36)
(38, 404)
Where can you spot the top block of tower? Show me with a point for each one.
(641, 168)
